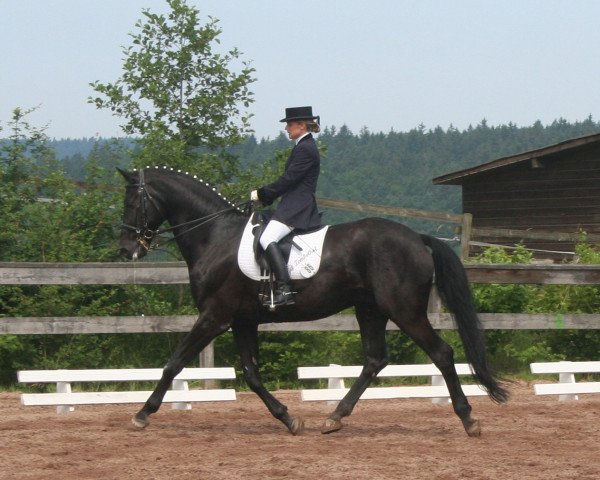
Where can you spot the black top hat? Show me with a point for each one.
(299, 113)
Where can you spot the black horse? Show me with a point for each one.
(380, 267)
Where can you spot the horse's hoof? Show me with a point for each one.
(331, 425)
(474, 429)
(297, 426)
(140, 422)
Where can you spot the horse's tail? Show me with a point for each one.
(453, 287)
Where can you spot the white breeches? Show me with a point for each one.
(274, 232)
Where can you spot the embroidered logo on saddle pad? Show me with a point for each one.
(305, 254)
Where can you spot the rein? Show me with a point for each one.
(145, 235)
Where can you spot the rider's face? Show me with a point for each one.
(295, 129)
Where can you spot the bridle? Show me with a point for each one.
(145, 235)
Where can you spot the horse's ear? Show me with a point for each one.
(128, 176)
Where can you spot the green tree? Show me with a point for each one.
(180, 95)
(29, 180)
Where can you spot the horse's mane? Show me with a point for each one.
(206, 187)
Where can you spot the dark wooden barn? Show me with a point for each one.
(544, 191)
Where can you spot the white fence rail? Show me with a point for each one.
(336, 389)
(179, 395)
(567, 387)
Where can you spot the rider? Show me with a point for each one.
(297, 186)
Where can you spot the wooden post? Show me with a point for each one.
(207, 360)
(435, 302)
(465, 235)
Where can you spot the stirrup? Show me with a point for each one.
(279, 297)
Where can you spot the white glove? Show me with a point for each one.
(254, 196)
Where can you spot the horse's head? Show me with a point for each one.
(141, 216)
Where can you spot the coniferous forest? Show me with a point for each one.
(394, 168)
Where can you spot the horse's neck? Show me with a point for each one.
(185, 200)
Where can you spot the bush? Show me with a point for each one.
(514, 350)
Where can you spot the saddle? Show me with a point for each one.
(301, 249)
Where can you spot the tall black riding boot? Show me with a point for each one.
(283, 294)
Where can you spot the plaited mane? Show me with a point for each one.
(199, 180)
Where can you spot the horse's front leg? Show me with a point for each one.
(245, 333)
(372, 330)
(203, 332)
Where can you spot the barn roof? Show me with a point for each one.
(458, 177)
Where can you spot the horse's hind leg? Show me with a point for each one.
(203, 332)
(245, 333)
(442, 355)
(372, 329)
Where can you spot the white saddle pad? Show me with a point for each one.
(302, 264)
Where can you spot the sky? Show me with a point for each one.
(381, 64)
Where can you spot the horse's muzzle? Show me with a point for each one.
(134, 253)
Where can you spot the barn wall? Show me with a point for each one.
(555, 193)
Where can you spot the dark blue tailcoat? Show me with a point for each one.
(296, 187)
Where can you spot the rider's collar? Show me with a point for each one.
(301, 137)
